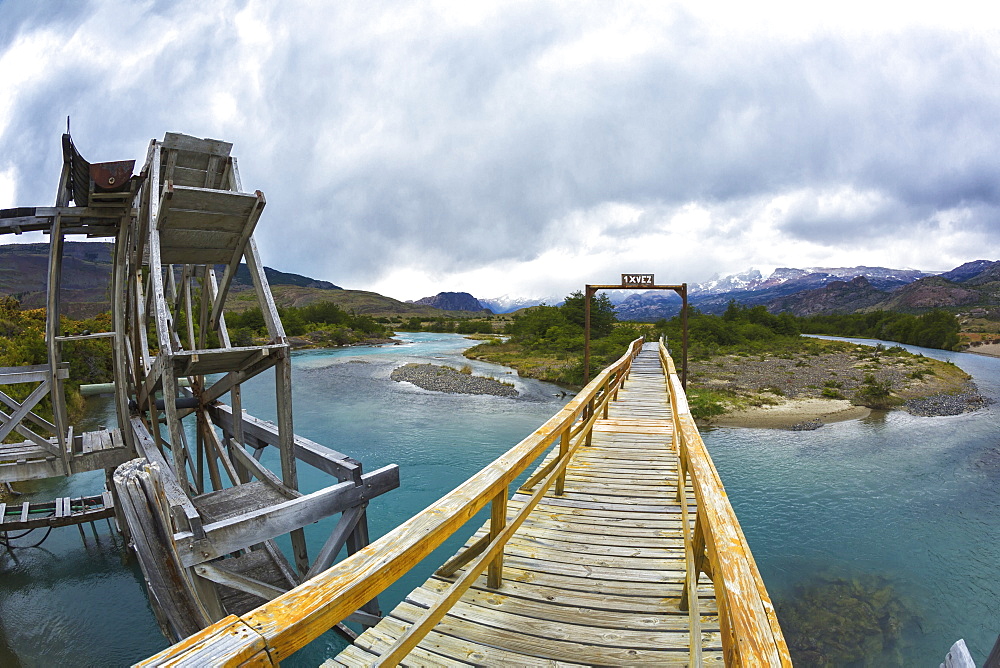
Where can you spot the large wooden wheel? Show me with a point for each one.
(174, 266)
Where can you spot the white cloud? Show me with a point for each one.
(498, 147)
(8, 187)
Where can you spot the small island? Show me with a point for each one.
(453, 381)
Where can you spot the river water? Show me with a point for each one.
(912, 500)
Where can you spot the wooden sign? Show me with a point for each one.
(636, 280)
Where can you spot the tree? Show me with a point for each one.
(602, 313)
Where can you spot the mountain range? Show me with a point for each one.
(815, 290)
(823, 291)
(87, 284)
(809, 291)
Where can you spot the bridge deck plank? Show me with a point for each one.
(92, 450)
(593, 576)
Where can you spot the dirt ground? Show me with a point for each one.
(780, 391)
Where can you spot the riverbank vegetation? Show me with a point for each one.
(320, 324)
(22, 343)
(934, 329)
(745, 358)
(546, 342)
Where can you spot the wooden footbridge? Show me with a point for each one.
(610, 539)
(620, 548)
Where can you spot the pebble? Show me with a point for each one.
(809, 425)
(446, 379)
(946, 404)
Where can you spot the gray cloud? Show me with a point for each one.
(389, 134)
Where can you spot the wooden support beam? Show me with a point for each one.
(259, 471)
(221, 324)
(234, 263)
(21, 411)
(52, 330)
(264, 297)
(177, 602)
(238, 532)
(182, 510)
(453, 565)
(216, 572)
(498, 520)
(318, 456)
(236, 378)
(32, 417)
(335, 542)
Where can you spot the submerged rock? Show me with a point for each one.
(844, 621)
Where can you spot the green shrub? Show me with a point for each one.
(874, 394)
(705, 404)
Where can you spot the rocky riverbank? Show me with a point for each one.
(447, 379)
(938, 405)
(827, 383)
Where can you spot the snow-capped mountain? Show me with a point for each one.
(747, 280)
(749, 287)
(508, 303)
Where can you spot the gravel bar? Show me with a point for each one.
(446, 379)
(938, 405)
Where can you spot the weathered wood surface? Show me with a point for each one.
(27, 460)
(749, 625)
(591, 577)
(59, 512)
(296, 618)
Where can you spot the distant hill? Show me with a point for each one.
(453, 301)
(361, 302)
(87, 268)
(275, 277)
(86, 276)
(935, 292)
(87, 291)
(968, 270)
(990, 274)
(834, 297)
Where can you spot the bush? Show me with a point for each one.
(874, 394)
(705, 404)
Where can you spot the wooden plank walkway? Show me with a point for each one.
(90, 451)
(593, 576)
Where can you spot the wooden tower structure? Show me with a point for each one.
(202, 512)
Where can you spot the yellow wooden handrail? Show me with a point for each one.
(272, 632)
(751, 635)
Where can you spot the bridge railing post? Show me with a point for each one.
(590, 430)
(607, 388)
(498, 520)
(563, 450)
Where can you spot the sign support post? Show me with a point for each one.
(636, 281)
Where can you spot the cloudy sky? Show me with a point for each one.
(528, 148)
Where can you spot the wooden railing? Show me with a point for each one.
(717, 547)
(277, 629)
